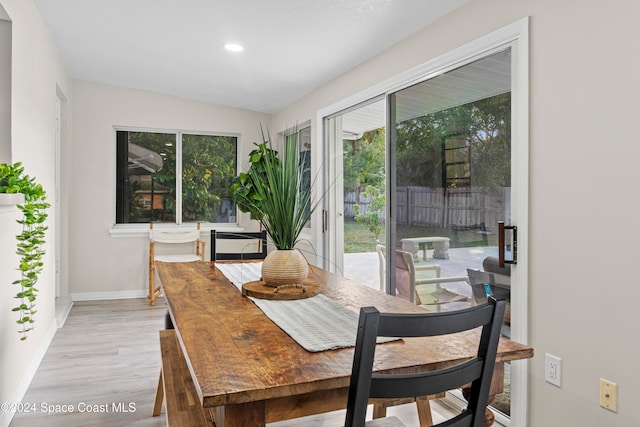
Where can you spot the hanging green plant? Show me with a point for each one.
(13, 180)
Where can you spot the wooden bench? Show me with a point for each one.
(440, 246)
(176, 388)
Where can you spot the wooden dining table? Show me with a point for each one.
(250, 372)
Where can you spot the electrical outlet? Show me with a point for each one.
(553, 369)
(609, 395)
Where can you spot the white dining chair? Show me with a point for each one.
(172, 245)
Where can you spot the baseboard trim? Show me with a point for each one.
(25, 382)
(63, 307)
(95, 296)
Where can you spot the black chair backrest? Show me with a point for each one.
(477, 371)
(257, 251)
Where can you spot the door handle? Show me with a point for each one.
(325, 220)
(501, 243)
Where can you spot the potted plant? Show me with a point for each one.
(276, 191)
(13, 180)
(243, 189)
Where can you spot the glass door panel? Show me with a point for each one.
(356, 141)
(451, 183)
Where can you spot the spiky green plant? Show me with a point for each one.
(30, 240)
(276, 190)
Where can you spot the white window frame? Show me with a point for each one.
(142, 229)
(282, 138)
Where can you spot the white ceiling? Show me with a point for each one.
(176, 47)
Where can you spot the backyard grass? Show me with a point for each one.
(358, 238)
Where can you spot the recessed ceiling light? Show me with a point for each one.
(233, 47)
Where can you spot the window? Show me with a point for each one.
(302, 137)
(174, 177)
(456, 160)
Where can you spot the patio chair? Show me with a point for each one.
(172, 245)
(409, 285)
(254, 245)
(486, 283)
(406, 277)
(422, 271)
(502, 277)
(478, 371)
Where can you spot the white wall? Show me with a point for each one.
(99, 262)
(583, 290)
(8, 336)
(37, 72)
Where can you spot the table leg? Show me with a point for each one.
(241, 415)
(157, 405)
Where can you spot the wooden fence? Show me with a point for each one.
(462, 208)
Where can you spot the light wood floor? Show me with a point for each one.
(106, 357)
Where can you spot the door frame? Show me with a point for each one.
(333, 167)
(515, 35)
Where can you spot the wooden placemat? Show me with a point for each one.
(259, 289)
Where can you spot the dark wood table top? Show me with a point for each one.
(237, 355)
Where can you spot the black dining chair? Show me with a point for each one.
(476, 371)
(249, 250)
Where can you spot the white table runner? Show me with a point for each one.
(317, 323)
(239, 273)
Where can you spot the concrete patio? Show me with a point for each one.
(364, 267)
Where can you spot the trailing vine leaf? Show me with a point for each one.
(30, 240)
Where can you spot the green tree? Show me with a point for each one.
(372, 217)
(209, 164)
(485, 124)
(364, 160)
(161, 181)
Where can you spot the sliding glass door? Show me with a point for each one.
(450, 185)
(424, 172)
